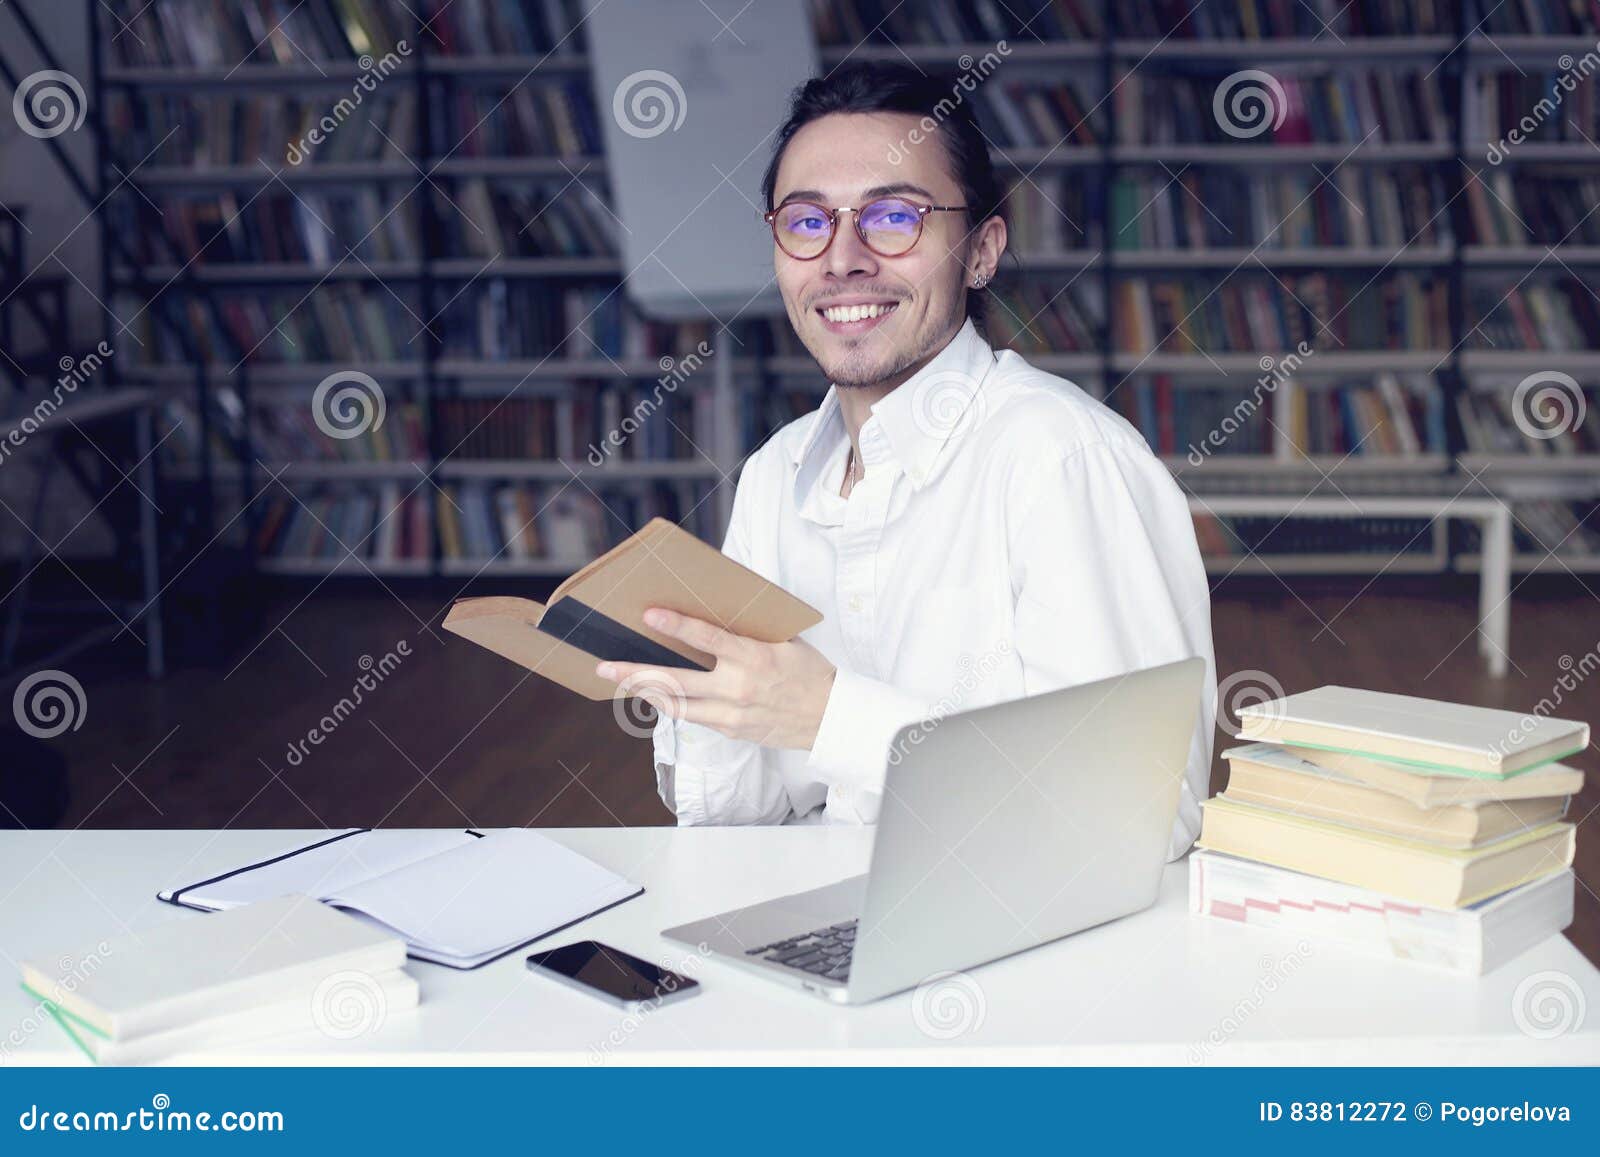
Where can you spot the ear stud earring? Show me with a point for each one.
(980, 281)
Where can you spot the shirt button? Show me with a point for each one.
(856, 604)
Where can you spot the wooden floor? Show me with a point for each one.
(452, 736)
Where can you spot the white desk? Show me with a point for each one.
(1151, 988)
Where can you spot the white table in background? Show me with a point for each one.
(1159, 987)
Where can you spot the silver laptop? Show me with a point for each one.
(1002, 828)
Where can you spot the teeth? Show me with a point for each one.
(856, 312)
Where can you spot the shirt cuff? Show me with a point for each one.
(851, 750)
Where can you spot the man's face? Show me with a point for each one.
(844, 160)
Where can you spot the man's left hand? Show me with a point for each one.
(772, 694)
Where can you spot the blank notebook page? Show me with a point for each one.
(335, 866)
(487, 895)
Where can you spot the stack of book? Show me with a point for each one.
(1409, 827)
(282, 965)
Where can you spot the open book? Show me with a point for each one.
(456, 897)
(598, 613)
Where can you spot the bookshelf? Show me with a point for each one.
(1167, 214)
(1469, 49)
(211, 108)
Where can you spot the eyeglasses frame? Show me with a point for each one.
(771, 218)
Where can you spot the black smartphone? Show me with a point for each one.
(613, 975)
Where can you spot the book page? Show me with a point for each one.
(507, 888)
(333, 867)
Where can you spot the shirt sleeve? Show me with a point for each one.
(703, 776)
(1108, 579)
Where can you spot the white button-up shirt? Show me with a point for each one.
(1012, 535)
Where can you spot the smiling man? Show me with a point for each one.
(972, 529)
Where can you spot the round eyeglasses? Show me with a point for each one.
(889, 226)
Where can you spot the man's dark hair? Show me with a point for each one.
(899, 88)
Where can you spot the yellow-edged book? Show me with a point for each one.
(1407, 869)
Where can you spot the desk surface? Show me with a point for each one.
(1159, 987)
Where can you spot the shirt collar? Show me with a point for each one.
(910, 426)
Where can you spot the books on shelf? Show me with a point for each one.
(551, 28)
(1490, 424)
(549, 219)
(497, 320)
(562, 523)
(1038, 318)
(1525, 315)
(288, 432)
(1533, 206)
(333, 323)
(311, 227)
(1499, 102)
(1331, 824)
(1049, 212)
(225, 33)
(378, 522)
(1267, 20)
(540, 118)
(1325, 104)
(1537, 18)
(609, 422)
(1565, 528)
(1037, 114)
(261, 132)
(853, 22)
(1386, 415)
(1174, 417)
(1274, 314)
(1220, 208)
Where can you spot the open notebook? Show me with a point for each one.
(458, 898)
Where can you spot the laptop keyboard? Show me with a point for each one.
(824, 952)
